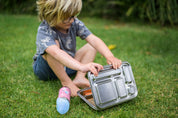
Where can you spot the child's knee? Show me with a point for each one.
(90, 48)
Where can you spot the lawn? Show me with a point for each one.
(151, 50)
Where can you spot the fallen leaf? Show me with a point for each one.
(112, 46)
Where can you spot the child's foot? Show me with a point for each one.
(81, 82)
(73, 88)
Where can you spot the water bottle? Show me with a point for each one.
(63, 100)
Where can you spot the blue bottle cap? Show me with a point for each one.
(62, 105)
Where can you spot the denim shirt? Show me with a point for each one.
(47, 35)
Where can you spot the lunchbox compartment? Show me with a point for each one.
(106, 92)
(87, 98)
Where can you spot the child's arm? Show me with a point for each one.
(70, 62)
(100, 46)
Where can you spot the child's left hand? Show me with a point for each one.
(116, 63)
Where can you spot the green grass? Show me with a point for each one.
(151, 50)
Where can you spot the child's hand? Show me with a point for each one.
(116, 63)
(93, 67)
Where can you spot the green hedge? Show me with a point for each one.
(18, 6)
(162, 11)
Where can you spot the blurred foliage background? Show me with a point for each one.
(155, 11)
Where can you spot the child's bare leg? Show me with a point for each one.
(58, 69)
(85, 55)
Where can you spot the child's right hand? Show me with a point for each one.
(93, 67)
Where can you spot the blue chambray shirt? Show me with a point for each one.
(47, 35)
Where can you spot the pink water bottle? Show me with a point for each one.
(63, 100)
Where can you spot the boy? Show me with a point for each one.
(56, 55)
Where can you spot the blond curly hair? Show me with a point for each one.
(56, 11)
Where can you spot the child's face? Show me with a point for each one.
(66, 24)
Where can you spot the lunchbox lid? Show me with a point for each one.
(111, 86)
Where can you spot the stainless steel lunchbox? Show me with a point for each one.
(110, 87)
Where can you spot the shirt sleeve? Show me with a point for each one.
(45, 38)
(82, 30)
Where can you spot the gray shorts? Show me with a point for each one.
(44, 72)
